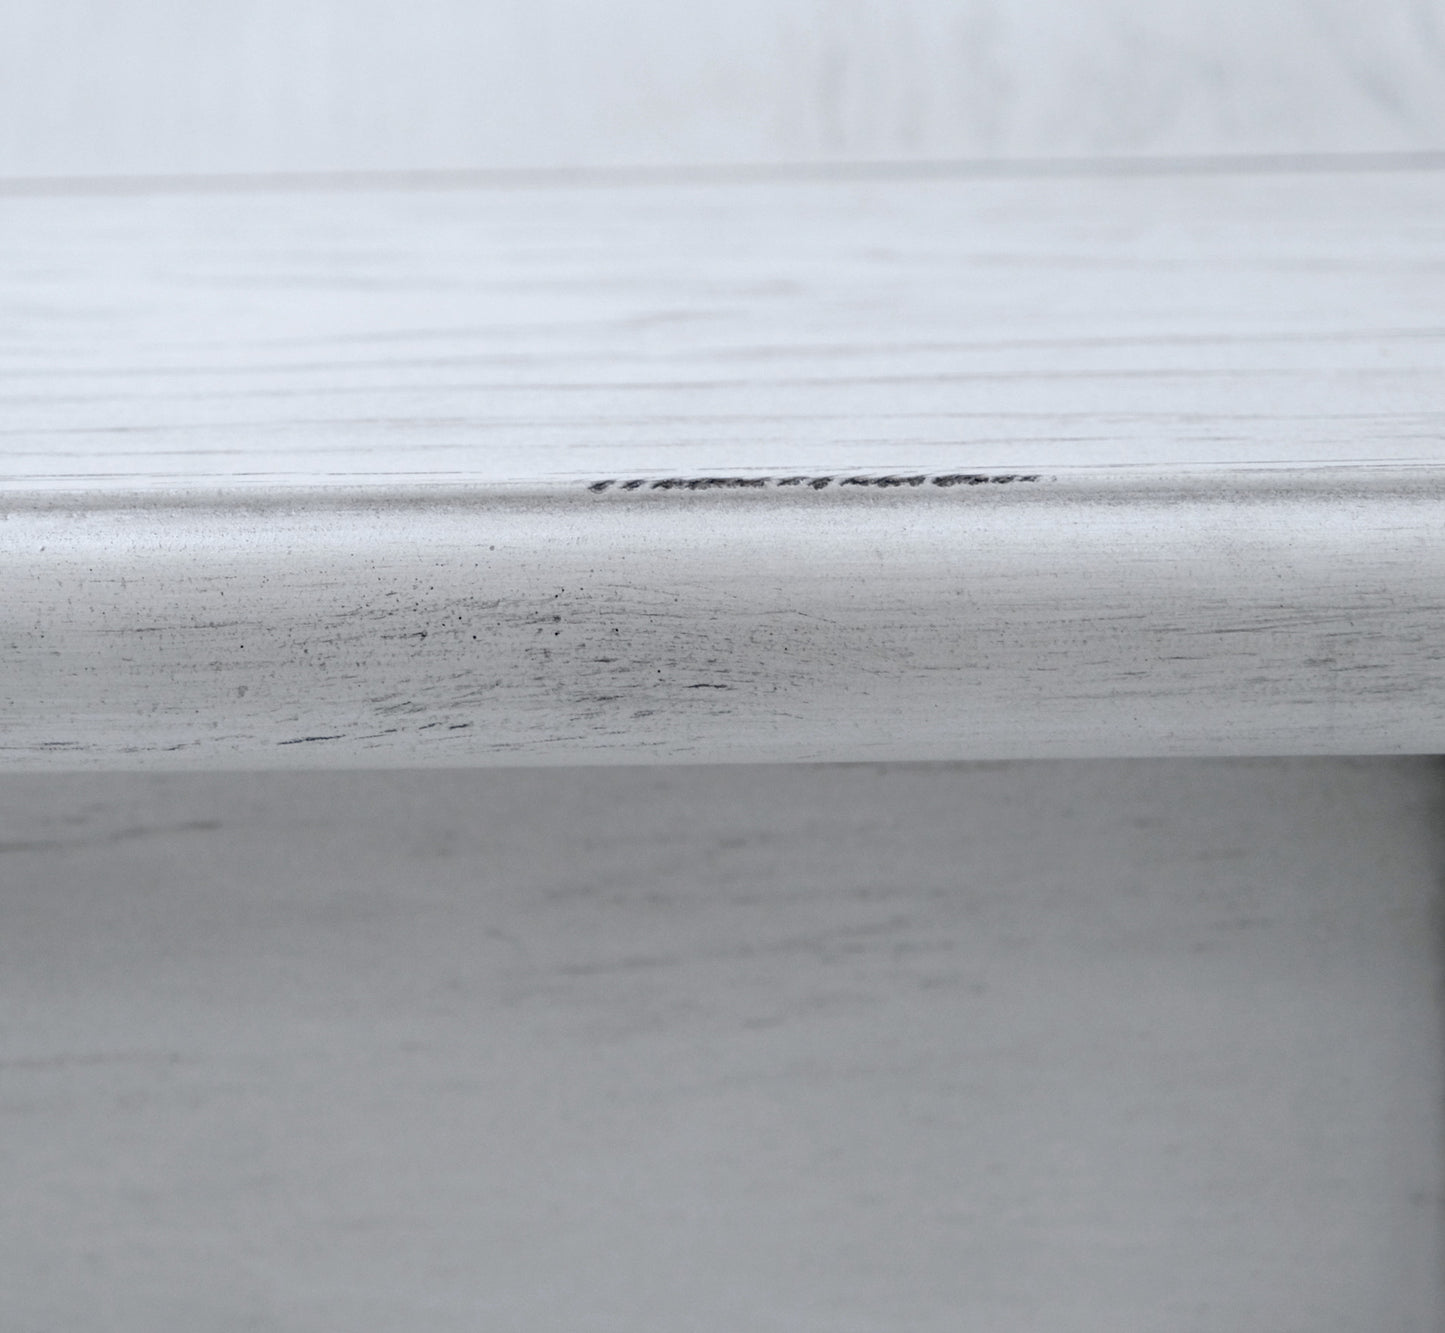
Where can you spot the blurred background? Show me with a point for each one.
(131, 87)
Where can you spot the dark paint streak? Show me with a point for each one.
(815, 483)
(979, 479)
(702, 483)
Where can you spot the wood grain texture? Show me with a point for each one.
(151, 86)
(1079, 1047)
(1291, 612)
(522, 336)
(816, 471)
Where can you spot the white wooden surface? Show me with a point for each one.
(1081, 1047)
(926, 469)
(1076, 1047)
(514, 335)
(155, 86)
(1281, 615)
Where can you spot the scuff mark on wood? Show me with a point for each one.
(818, 483)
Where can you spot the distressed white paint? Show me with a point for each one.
(522, 335)
(1269, 612)
(1118, 1047)
(156, 86)
(1075, 1047)
(345, 478)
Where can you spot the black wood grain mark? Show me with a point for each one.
(818, 483)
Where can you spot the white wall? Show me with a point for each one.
(141, 86)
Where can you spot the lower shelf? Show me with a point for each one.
(1067, 1046)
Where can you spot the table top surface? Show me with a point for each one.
(402, 333)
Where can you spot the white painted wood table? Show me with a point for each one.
(836, 469)
(447, 448)
(741, 470)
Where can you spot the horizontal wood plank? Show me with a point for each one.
(541, 335)
(841, 470)
(1078, 1047)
